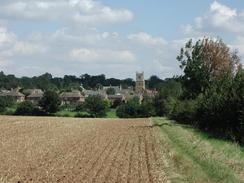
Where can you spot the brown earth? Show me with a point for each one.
(43, 149)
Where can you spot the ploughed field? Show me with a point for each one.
(41, 149)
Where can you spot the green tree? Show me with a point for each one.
(155, 82)
(147, 108)
(129, 109)
(166, 98)
(204, 62)
(195, 78)
(50, 102)
(96, 106)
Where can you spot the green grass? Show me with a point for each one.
(193, 156)
(65, 113)
(111, 114)
(68, 113)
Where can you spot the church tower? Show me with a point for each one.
(140, 82)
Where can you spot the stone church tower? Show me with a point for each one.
(140, 82)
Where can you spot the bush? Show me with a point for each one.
(165, 100)
(129, 109)
(25, 108)
(80, 107)
(169, 105)
(184, 111)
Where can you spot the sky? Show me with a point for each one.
(115, 38)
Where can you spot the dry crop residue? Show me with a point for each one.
(78, 150)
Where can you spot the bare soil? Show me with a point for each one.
(41, 149)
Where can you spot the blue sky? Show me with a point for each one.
(116, 38)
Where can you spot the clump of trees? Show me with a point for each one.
(48, 105)
(213, 89)
(129, 110)
(134, 108)
(47, 82)
(95, 106)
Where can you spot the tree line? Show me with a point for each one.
(47, 82)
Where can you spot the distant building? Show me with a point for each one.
(100, 93)
(117, 89)
(140, 82)
(116, 98)
(73, 97)
(35, 95)
(14, 94)
(131, 96)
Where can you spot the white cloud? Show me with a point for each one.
(145, 38)
(6, 37)
(104, 56)
(11, 47)
(89, 48)
(76, 11)
(28, 48)
(219, 18)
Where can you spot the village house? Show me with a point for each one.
(131, 96)
(35, 95)
(100, 93)
(14, 94)
(73, 97)
(116, 99)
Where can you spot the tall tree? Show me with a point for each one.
(205, 61)
(50, 102)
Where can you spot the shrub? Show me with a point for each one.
(80, 107)
(129, 109)
(184, 111)
(25, 108)
(169, 106)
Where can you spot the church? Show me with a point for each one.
(140, 82)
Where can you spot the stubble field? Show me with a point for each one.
(78, 150)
